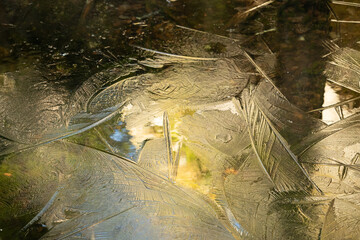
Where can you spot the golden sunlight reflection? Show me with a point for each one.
(191, 172)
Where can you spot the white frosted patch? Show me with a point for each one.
(330, 97)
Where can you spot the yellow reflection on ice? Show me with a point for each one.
(192, 174)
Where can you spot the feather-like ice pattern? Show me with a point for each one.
(216, 134)
(78, 117)
(30, 104)
(159, 60)
(248, 195)
(245, 12)
(221, 140)
(276, 158)
(187, 81)
(343, 68)
(318, 136)
(153, 157)
(92, 86)
(195, 83)
(269, 214)
(217, 138)
(99, 195)
(292, 123)
(342, 218)
(333, 161)
(38, 112)
(156, 155)
(333, 164)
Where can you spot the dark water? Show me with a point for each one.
(154, 119)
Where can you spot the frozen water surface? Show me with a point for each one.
(179, 119)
